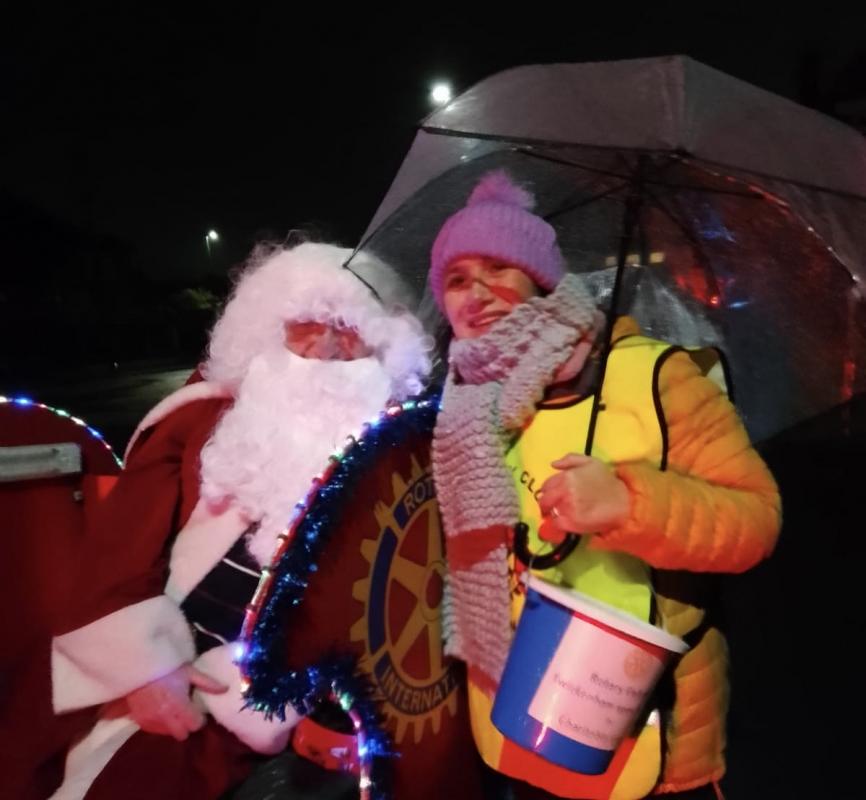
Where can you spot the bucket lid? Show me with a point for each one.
(608, 615)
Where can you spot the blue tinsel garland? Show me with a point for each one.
(272, 686)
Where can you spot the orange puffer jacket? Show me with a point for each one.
(715, 509)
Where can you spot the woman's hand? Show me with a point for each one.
(585, 496)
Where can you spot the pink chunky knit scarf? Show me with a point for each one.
(493, 386)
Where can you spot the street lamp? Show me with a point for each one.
(212, 236)
(441, 94)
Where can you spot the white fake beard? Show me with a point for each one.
(290, 415)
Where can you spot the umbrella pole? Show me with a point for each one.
(571, 541)
(629, 224)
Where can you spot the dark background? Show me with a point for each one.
(130, 130)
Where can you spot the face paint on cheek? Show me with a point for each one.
(506, 293)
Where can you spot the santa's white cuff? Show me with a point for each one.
(251, 727)
(117, 653)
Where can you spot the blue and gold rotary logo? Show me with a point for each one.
(401, 627)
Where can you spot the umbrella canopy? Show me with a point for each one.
(735, 217)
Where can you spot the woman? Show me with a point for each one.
(672, 486)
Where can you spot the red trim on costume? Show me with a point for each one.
(337, 752)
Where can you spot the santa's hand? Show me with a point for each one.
(584, 497)
(164, 706)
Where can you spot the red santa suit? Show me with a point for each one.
(221, 458)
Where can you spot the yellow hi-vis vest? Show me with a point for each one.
(629, 427)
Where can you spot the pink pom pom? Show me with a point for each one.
(497, 187)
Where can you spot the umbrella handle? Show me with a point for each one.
(521, 549)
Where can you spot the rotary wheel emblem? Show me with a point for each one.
(401, 628)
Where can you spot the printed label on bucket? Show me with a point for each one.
(595, 686)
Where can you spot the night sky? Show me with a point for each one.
(152, 126)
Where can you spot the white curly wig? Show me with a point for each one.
(309, 282)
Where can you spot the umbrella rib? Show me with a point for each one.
(492, 137)
(749, 195)
(800, 184)
(584, 202)
(627, 181)
(721, 164)
(692, 239)
(673, 218)
(567, 163)
(753, 195)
